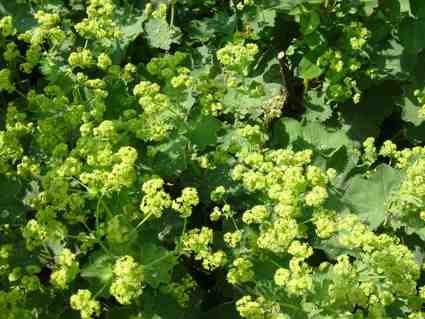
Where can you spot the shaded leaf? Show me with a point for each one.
(204, 131)
(418, 8)
(412, 35)
(158, 264)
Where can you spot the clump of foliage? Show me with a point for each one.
(258, 159)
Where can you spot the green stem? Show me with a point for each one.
(140, 224)
(158, 260)
(106, 208)
(234, 223)
(184, 226)
(172, 15)
(97, 239)
(100, 290)
(97, 210)
(289, 306)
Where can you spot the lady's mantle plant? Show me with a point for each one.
(200, 159)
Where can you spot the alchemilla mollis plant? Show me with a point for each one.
(258, 159)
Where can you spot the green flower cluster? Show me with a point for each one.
(160, 159)
(237, 57)
(83, 302)
(67, 269)
(128, 280)
(198, 242)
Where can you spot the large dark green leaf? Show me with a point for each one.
(286, 131)
(158, 264)
(412, 35)
(21, 13)
(171, 157)
(12, 209)
(204, 131)
(418, 8)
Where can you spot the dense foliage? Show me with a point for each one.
(258, 159)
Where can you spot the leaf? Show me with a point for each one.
(288, 5)
(412, 35)
(363, 120)
(157, 304)
(418, 230)
(343, 162)
(118, 100)
(12, 210)
(266, 17)
(158, 264)
(322, 138)
(242, 104)
(221, 311)
(286, 131)
(171, 157)
(405, 6)
(120, 312)
(204, 131)
(418, 8)
(100, 268)
(132, 29)
(410, 109)
(21, 13)
(415, 134)
(159, 34)
(308, 69)
(368, 197)
(309, 22)
(391, 58)
(317, 110)
(220, 24)
(370, 6)
(260, 18)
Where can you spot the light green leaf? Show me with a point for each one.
(286, 131)
(99, 268)
(368, 197)
(159, 34)
(409, 110)
(324, 139)
(390, 59)
(370, 6)
(291, 4)
(317, 110)
(132, 30)
(309, 22)
(308, 68)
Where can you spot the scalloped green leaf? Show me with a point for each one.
(368, 197)
(159, 34)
